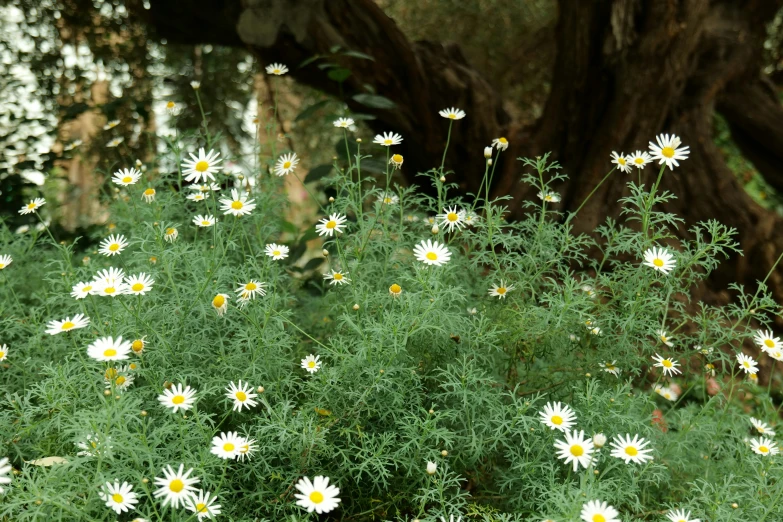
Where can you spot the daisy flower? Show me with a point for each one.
(200, 196)
(204, 166)
(119, 379)
(451, 218)
(659, 259)
(669, 365)
(220, 303)
(776, 354)
(327, 227)
(238, 205)
(5, 472)
(631, 450)
(138, 284)
(206, 187)
(278, 69)
(226, 445)
(452, 113)
(681, 516)
(664, 339)
(286, 164)
(276, 252)
(108, 283)
(34, 205)
(766, 341)
(549, 197)
(113, 245)
(622, 161)
(148, 195)
(557, 416)
(138, 345)
(111, 124)
(470, 218)
(176, 486)
(72, 145)
(170, 234)
(396, 160)
(246, 449)
(500, 143)
(3, 352)
(204, 221)
(762, 427)
(203, 505)
(119, 497)
(597, 511)
(178, 397)
(639, 159)
(343, 123)
(126, 177)
(575, 449)
(109, 349)
(92, 446)
(432, 253)
(242, 395)
(115, 142)
(5, 260)
(311, 363)
(317, 495)
(171, 107)
(747, 363)
(336, 277)
(387, 139)
(609, 367)
(666, 392)
(250, 289)
(500, 290)
(764, 446)
(68, 324)
(395, 290)
(195, 85)
(388, 198)
(668, 150)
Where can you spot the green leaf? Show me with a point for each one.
(309, 235)
(339, 75)
(317, 173)
(360, 116)
(327, 65)
(375, 101)
(333, 49)
(310, 60)
(309, 111)
(357, 54)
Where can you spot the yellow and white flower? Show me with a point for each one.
(171, 108)
(111, 124)
(118, 379)
(452, 113)
(148, 195)
(195, 85)
(204, 221)
(278, 69)
(5, 260)
(138, 284)
(82, 290)
(203, 505)
(762, 427)
(328, 226)
(622, 161)
(681, 516)
(664, 338)
(609, 367)
(500, 143)
(311, 363)
(246, 449)
(631, 450)
(432, 253)
(138, 345)
(660, 259)
(109, 349)
(238, 205)
(764, 446)
(178, 397)
(317, 495)
(170, 234)
(205, 187)
(597, 511)
(72, 145)
(176, 486)
(204, 166)
(3, 352)
(343, 123)
(387, 139)
(286, 164)
(109, 283)
(668, 150)
(747, 363)
(276, 252)
(388, 198)
(766, 341)
(33, 206)
(242, 395)
(669, 365)
(113, 245)
(115, 142)
(337, 277)
(119, 497)
(666, 392)
(249, 290)
(549, 197)
(557, 416)
(500, 291)
(198, 196)
(226, 445)
(575, 449)
(639, 159)
(451, 218)
(92, 445)
(68, 324)
(126, 177)
(220, 303)
(395, 290)
(396, 160)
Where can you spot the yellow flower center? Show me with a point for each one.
(395, 288)
(241, 396)
(149, 192)
(237, 205)
(276, 253)
(137, 345)
(338, 277)
(178, 399)
(769, 343)
(397, 158)
(760, 429)
(452, 116)
(557, 419)
(127, 179)
(228, 446)
(277, 71)
(667, 152)
(176, 485)
(664, 338)
(667, 395)
(746, 364)
(2, 265)
(316, 497)
(114, 247)
(621, 161)
(638, 161)
(170, 231)
(452, 216)
(120, 380)
(387, 142)
(67, 325)
(2, 354)
(577, 450)
(432, 256)
(170, 105)
(110, 373)
(548, 198)
(286, 165)
(387, 200)
(331, 224)
(501, 290)
(658, 262)
(201, 508)
(111, 352)
(250, 286)
(599, 518)
(502, 140)
(117, 498)
(763, 449)
(311, 364)
(31, 205)
(138, 287)
(630, 450)
(667, 363)
(111, 226)
(205, 223)
(133, 366)
(202, 165)
(610, 366)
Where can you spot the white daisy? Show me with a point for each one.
(432, 253)
(500, 291)
(72, 145)
(3, 352)
(199, 196)
(451, 218)
(203, 505)
(575, 449)
(597, 511)
(68, 324)
(148, 195)
(204, 166)
(610, 367)
(311, 363)
(115, 142)
(250, 289)
(668, 150)
(747, 363)
(111, 124)
(171, 108)
(666, 392)
(276, 252)
(126, 177)
(220, 303)
(109, 349)
(500, 143)
(549, 197)
(664, 338)
(92, 446)
(396, 160)
(318, 495)
(5, 473)
(138, 284)
(669, 365)
(178, 397)
(343, 123)
(238, 205)
(622, 161)
(170, 234)
(204, 221)
(557, 416)
(337, 277)
(631, 450)
(388, 198)
(762, 427)
(206, 187)
(242, 395)
(278, 69)
(226, 445)
(113, 245)
(286, 164)
(681, 516)
(470, 218)
(765, 340)
(660, 259)
(246, 449)
(327, 227)
(118, 379)
(452, 113)
(387, 139)
(639, 159)
(764, 446)
(33, 206)
(176, 486)
(119, 497)
(395, 290)
(5, 260)
(195, 85)
(109, 283)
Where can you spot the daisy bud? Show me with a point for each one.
(443, 179)
(489, 162)
(356, 306)
(431, 411)
(143, 414)
(435, 229)
(260, 389)
(325, 253)
(358, 140)
(444, 453)
(431, 468)
(331, 199)
(138, 163)
(487, 152)
(107, 392)
(195, 85)
(735, 505)
(599, 440)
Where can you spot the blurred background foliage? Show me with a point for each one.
(67, 67)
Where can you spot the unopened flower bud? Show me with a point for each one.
(431, 468)
(443, 179)
(325, 253)
(487, 152)
(260, 389)
(356, 306)
(444, 453)
(331, 199)
(599, 440)
(435, 229)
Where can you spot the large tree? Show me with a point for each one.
(625, 71)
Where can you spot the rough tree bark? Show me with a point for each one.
(626, 70)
